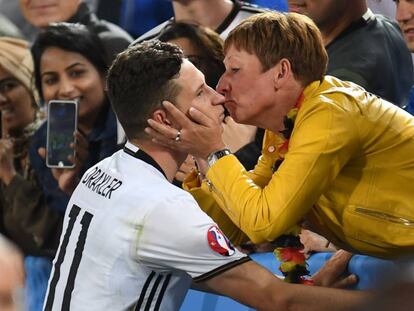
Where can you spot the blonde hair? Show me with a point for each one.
(272, 36)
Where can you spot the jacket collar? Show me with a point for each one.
(83, 15)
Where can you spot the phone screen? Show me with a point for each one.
(62, 123)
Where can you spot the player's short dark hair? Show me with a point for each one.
(140, 79)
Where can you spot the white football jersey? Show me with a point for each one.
(133, 241)
(241, 10)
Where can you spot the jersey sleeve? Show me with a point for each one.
(177, 235)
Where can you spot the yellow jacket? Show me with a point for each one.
(349, 172)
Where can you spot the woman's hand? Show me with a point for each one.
(68, 178)
(199, 136)
(334, 272)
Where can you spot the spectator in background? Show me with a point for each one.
(12, 10)
(386, 7)
(8, 29)
(24, 216)
(70, 65)
(405, 18)
(220, 15)
(41, 13)
(364, 48)
(139, 16)
(108, 10)
(201, 45)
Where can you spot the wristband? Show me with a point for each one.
(215, 156)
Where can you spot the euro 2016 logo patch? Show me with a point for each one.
(218, 242)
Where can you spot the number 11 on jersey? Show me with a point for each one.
(85, 222)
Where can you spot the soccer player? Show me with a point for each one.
(131, 239)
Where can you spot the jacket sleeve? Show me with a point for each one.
(322, 142)
(207, 202)
(213, 203)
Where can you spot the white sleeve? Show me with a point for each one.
(178, 235)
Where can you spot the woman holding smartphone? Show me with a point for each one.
(24, 216)
(70, 66)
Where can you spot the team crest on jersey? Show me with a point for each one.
(219, 242)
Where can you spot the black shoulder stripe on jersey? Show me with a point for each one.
(143, 156)
(153, 291)
(150, 37)
(162, 292)
(221, 269)
(144, 291)
(229, 18)
(253, 9)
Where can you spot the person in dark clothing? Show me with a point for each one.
(139, 16)
(363, 47)
(220, 15)
(114, 39)
(201, 45)
(405, 17)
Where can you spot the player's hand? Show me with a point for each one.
(334, 272)
(199, 136)
(7, 169)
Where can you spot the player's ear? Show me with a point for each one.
(160, 116)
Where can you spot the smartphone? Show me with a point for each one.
(62, 122)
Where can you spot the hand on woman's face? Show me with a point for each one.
(68, 75)
(16, 104)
